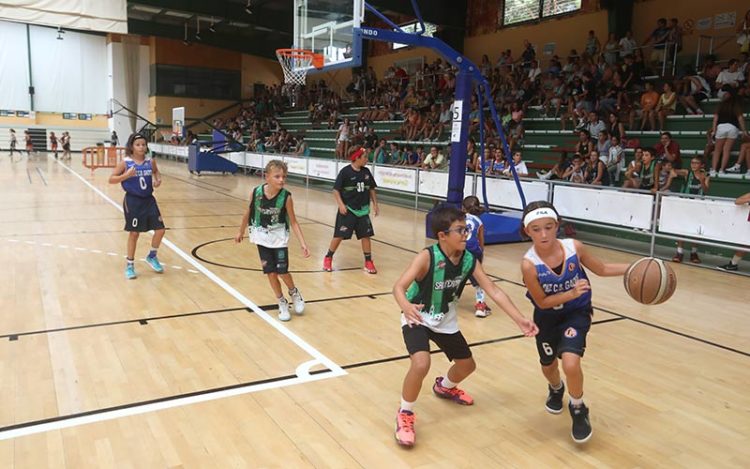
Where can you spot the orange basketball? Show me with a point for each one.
(650, 281)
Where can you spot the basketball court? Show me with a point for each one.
(180, 366)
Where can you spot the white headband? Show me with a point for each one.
(536, 214)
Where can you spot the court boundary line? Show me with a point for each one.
(334, 370)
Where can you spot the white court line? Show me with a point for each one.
(157, 406)
(335, 370)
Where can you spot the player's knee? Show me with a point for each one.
(420, 363)
(571, 364)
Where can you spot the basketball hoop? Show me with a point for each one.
(296, 62)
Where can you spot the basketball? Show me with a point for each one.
(650, 281)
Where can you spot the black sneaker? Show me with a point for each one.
(581, 432)
(729, 267)
(554, 404)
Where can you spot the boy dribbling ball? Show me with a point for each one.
(560, 292)
(427, 293)
(270, 215)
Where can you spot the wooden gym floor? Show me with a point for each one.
(181, 370)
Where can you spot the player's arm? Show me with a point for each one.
(374, 202)
(480, 236)
(679, 172)
(705, 180)
(119, 174)
(743, 199)
(655, 177)
(502, 299)
(541, 299)
(295, 226)
(155, 174)
(243, 226)
(595, 264)
(416, 271)
(339, 201)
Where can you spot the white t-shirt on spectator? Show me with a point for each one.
(627, 46)
(611, 157)
(729, 78)
(521, 170)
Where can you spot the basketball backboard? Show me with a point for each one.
(326, 27)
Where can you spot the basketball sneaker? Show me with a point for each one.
(370, 267)
(694, 258)
(554, 404)
(677, 258)
(130, 272)
(155, 264)
(481, 310)
(405, 435)
(729, 267)
(328, 264)
(284, 310)
(581, 432)
(299, 303)
(454, 394)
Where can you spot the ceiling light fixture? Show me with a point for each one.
(60, 32)
(185, 39)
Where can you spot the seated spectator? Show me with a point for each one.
(519, 166)
(614, 159)
(435, 160)
(381, 153)
(667, 104)
(627, 45)
(615, 127)
(472, 156)
(696, 182)
(668, 150)
(603, 143)
(395, 156)
(696, 90)
(650, 171)
(649, 100)
(558, 169)
(665, 176)
(584, 145)
(575, 172)
(302, 149)
(742, 159)
(498, 163)
(596, 171)
(730, 77)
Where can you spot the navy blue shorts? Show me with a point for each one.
(561, 332)
(141, 213)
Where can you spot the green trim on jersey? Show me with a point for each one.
(689, 186)
(258, 197)
(436, 276)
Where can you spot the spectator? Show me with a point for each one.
(627, 45)
(649, 101)
(665, 176)
(633, 172)
(603, 143)
(732, 265)
(575, 172)
(558, 170)
(595, 124)
(668, 150)
(696, 183)
(729, 80)
(593, 46)
(435, 160)
(584, 145)
(659, 38)
(519, 166)
(615, 127)
(614, 159)
(650, 170)
(610, 50)
(667, 104)
(743, 33)
(381, 153)
(696, 90)
(596, 171)
(743, 158)
(728, 124)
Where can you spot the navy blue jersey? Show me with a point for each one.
(552, 283)
(472, 242)
(140, 185)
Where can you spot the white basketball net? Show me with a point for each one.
(294, 65)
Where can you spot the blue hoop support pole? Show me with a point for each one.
(481, 144)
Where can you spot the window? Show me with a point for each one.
(430, 30)
(193, 82)
(519, 11)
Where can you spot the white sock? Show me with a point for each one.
(448, 383)
(736, 259)
(558, 387)
(575, 402)
(479, 295)
(406, 405)
(679, 250)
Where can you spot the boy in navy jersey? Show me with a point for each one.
(138, 177)
(270, 215)
(560, 292)
(354, 191)
(427, 293)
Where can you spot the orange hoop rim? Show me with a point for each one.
(315, 59)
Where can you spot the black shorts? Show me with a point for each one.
(417, 339)
(274, 260)
(141, 213)
(347, 225)
(561, 332)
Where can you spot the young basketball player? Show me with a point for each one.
(139, 177)
(354, 191)
(66, 145)
(697, 182)
(13, 141)
(29, 143)
(732, 265)
(270, 215)
(560, 292)
(427, 293)
(53, 142)
(475, 245)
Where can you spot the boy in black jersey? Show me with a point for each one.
(697, 182)
(427, 293)
(354, 190)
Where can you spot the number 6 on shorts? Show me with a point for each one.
(547, 349)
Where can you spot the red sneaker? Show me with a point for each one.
(328, 264)
(370, 267)
(405, 435)
(454, 394)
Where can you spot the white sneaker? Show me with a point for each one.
(712, 173)
(284, 310)
(733, 169)
(299, 303)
